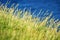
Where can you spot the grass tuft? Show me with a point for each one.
(19, 25)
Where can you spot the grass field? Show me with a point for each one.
(26, 27)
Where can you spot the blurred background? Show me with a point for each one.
(50, 5)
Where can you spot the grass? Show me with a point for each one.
(26, 27)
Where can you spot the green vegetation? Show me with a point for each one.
(16, 27)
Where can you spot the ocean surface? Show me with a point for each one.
(50, 5)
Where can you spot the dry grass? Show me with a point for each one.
(16, 27)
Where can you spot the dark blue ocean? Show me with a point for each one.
(50, 5)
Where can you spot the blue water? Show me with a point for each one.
(51, 5)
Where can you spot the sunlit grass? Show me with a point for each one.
(23, 26)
